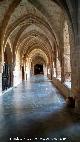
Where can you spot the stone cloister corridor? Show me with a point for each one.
(40, 70)
(36, 109)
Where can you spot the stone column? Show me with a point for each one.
(75, 77)
(49, 71)
(75, 56)
(1, 70)
(32, 69)
(62, 58)
(62, 68)
(28, 68)
(45, 70)
(51, 68)
(17, 73)
(0, 77)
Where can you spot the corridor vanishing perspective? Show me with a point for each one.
(40, 70)
(35, 109)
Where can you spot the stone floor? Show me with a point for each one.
(35, 111)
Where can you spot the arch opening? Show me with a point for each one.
(7, 75)
(38, 69)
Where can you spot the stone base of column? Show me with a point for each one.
(76, 93)
(77, 105)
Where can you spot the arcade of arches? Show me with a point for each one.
(41, 37)
(49, 36)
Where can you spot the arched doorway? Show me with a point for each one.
(38, 69)
(7, 75)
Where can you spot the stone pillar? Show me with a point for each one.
(62, 69)
(32, 69)
(45, 70)
(17, 73)
(51, 70)
(75, 56)
(55, 69)
(1, 70)
(76, 76)
(48, 71)
(24, 66)
(28, 68)
(62, 58)
(1, 78)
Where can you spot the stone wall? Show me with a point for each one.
(64, 90)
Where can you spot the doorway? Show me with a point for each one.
(38, 69)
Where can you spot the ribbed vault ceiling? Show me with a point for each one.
(32, 27)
